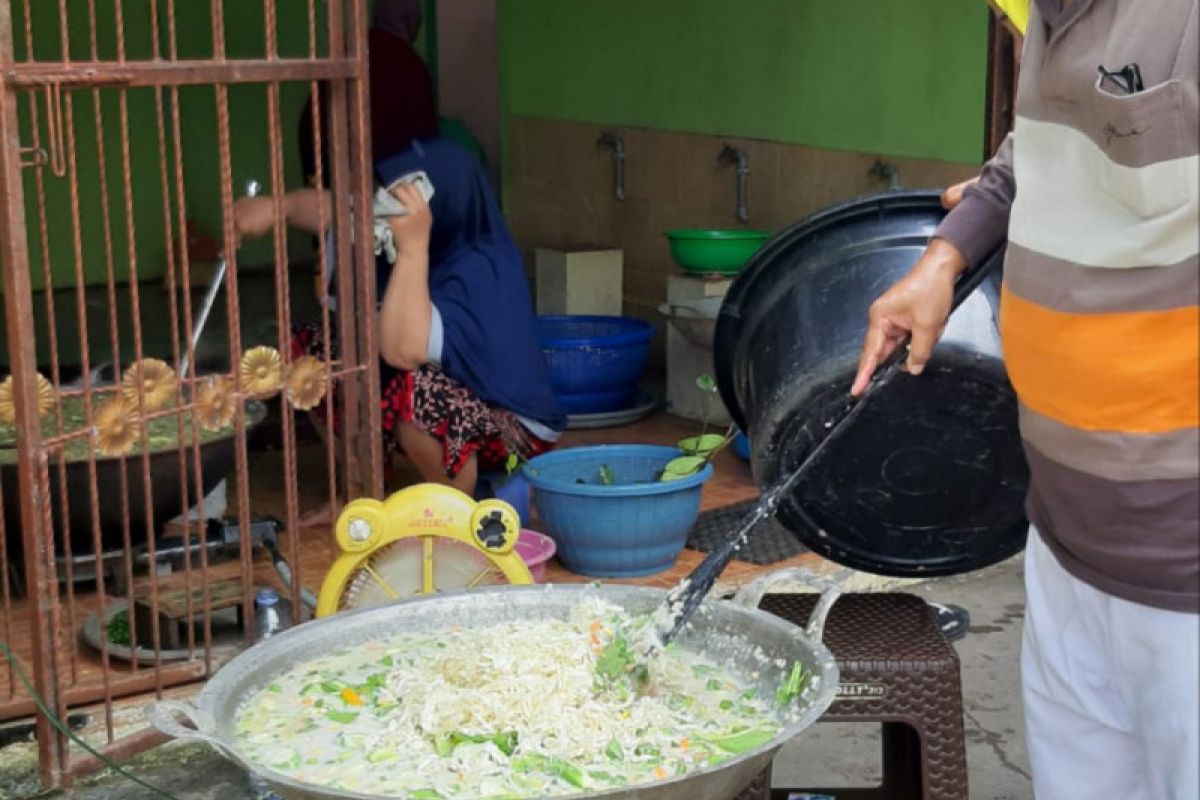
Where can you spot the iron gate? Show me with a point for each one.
(126, 127)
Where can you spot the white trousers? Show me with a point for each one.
(1110, 690)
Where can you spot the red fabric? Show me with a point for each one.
(427, 398)
(402, 103)
(464, 424)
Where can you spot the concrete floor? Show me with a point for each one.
(829, 754)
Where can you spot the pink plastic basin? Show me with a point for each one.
(535, 549)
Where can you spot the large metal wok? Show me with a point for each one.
(216, 461)
(735, 633)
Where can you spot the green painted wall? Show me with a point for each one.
(881, 76)
(248, 119)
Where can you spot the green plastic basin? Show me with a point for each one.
(719, 252)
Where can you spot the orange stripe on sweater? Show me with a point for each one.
(1135, 372)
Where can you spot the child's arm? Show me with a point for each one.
(255, 216)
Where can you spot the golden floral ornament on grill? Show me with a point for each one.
(214, 403)
(157, 381)
(117, 428)
(307, 380)
(8, 405)
(261, 372)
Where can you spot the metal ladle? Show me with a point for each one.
(214, 287)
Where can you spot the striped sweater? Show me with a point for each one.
(1100, 311)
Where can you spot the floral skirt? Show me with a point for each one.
(427, 398)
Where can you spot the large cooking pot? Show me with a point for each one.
(735, 633)
(216, 461)
(931, 478)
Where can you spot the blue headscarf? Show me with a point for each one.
(477, 282)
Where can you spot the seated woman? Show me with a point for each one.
(465, 382)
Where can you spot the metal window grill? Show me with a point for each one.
(125, 126)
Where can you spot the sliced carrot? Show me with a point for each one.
(351, 697)
(685, 743)
(660, 773)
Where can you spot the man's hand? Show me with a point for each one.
(954, 195)
(918, 305)
(411, 230)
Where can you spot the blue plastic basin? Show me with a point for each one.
(595, 362)
(636, 526)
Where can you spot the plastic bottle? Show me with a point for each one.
(271, 616)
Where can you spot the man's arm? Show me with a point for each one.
(918, 305)
(979, 222)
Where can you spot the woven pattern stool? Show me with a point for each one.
(896, 669)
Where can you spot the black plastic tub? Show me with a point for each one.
(931, 478)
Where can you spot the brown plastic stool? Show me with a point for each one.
(897, 669)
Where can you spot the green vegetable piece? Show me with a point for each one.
(569, 773)
(332, 687)
(426, 794)
(714, 685)
(343, 717)
(607, 478)
(682, 467)
(533, 762)
(377, 680)
(505, 741)
(744, 741)
(118, 629)
(512, 463)
(640, 675)
(275, 688)
(701, 670)
(614, 751)
(794, 686)
(725, 705)
(646, 750)
(704, 445)
(530, 762)
(749, 694)
(380, 754)
(614, 659)
(678, 702)
(388, 661)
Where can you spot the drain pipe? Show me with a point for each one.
(735, 155)
(615, 143)
(887, 172)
